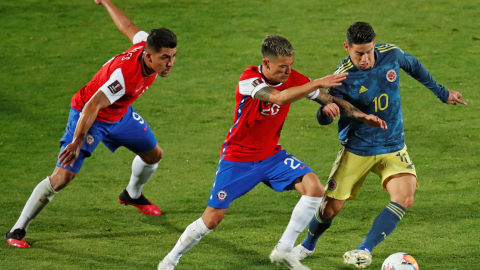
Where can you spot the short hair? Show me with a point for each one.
(360, 33)
(161, 38)
(276, 45)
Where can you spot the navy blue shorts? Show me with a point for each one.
(131, 132)
(234, 179)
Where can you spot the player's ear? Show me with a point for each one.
(148, 56)
(266, 63)
(345, 45)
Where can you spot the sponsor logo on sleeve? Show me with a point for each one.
(257, 82)
(115, 87)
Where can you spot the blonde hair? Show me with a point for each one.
(276, 45)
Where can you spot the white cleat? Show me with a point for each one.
(166, 264)
(358, 257)
(300, 252)
(287, 259)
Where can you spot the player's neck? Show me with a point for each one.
(145, 69)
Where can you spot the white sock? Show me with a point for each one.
(141, 173)
(191, 236)
(301, 216)
(41, 196)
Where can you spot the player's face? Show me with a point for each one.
(162, 62)
(277, 71)
(362, 55)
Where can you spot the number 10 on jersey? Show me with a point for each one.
(381, 102)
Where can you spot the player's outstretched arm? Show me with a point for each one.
(120, 19)
(293, 94)
(348, 110)
(455, 97)
(87, 117)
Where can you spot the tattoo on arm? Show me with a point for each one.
(346, 109)
(323, 98)
(264, 94)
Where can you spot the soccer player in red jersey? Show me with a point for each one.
(251, 153)
(102, 111)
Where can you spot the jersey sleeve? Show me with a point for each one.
(412, 66)
(114, 88)
(140, 36)
(250, 86)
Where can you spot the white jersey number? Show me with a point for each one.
(269, 109)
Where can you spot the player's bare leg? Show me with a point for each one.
(312, 191)
(401, 188)
(41, 196)
(192, 235)
(143, 167)
(322, 220)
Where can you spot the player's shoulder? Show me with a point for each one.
(345, 66)
(388, 48)
(251, 72)
(298, 77)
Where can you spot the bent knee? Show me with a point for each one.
(153, 156)
(212, 223)
(61, 178)
(405, 202)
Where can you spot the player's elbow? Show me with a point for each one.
(280, 99)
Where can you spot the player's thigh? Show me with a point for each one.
(284, 172)
(95, 135)
(347, 175)
(233, 180)
(132, 132)
(393, 164)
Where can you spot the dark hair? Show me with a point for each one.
(276, 45)
(360, 33)
(161, 38)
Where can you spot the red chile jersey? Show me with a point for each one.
(257, 124)
(121, 80)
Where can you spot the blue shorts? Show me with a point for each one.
(234, 179)
(131, 131)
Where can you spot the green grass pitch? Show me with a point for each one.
(50, 49)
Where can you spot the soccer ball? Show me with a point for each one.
(400, 261)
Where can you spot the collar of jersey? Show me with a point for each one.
(266, 81)
(375, 65)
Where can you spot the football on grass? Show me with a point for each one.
(400, 261)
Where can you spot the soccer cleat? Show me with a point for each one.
(300, 252)
(145, 206)
(286, 258)
(358, 257)
(166, 264)
(17, 238)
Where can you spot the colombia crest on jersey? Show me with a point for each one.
(376, 91)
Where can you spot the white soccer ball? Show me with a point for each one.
(400, 261)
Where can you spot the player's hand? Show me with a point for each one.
(331, 80)
(99, 2)
(374, 121)
(455, 97)
(331, 110)
(68, 156)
